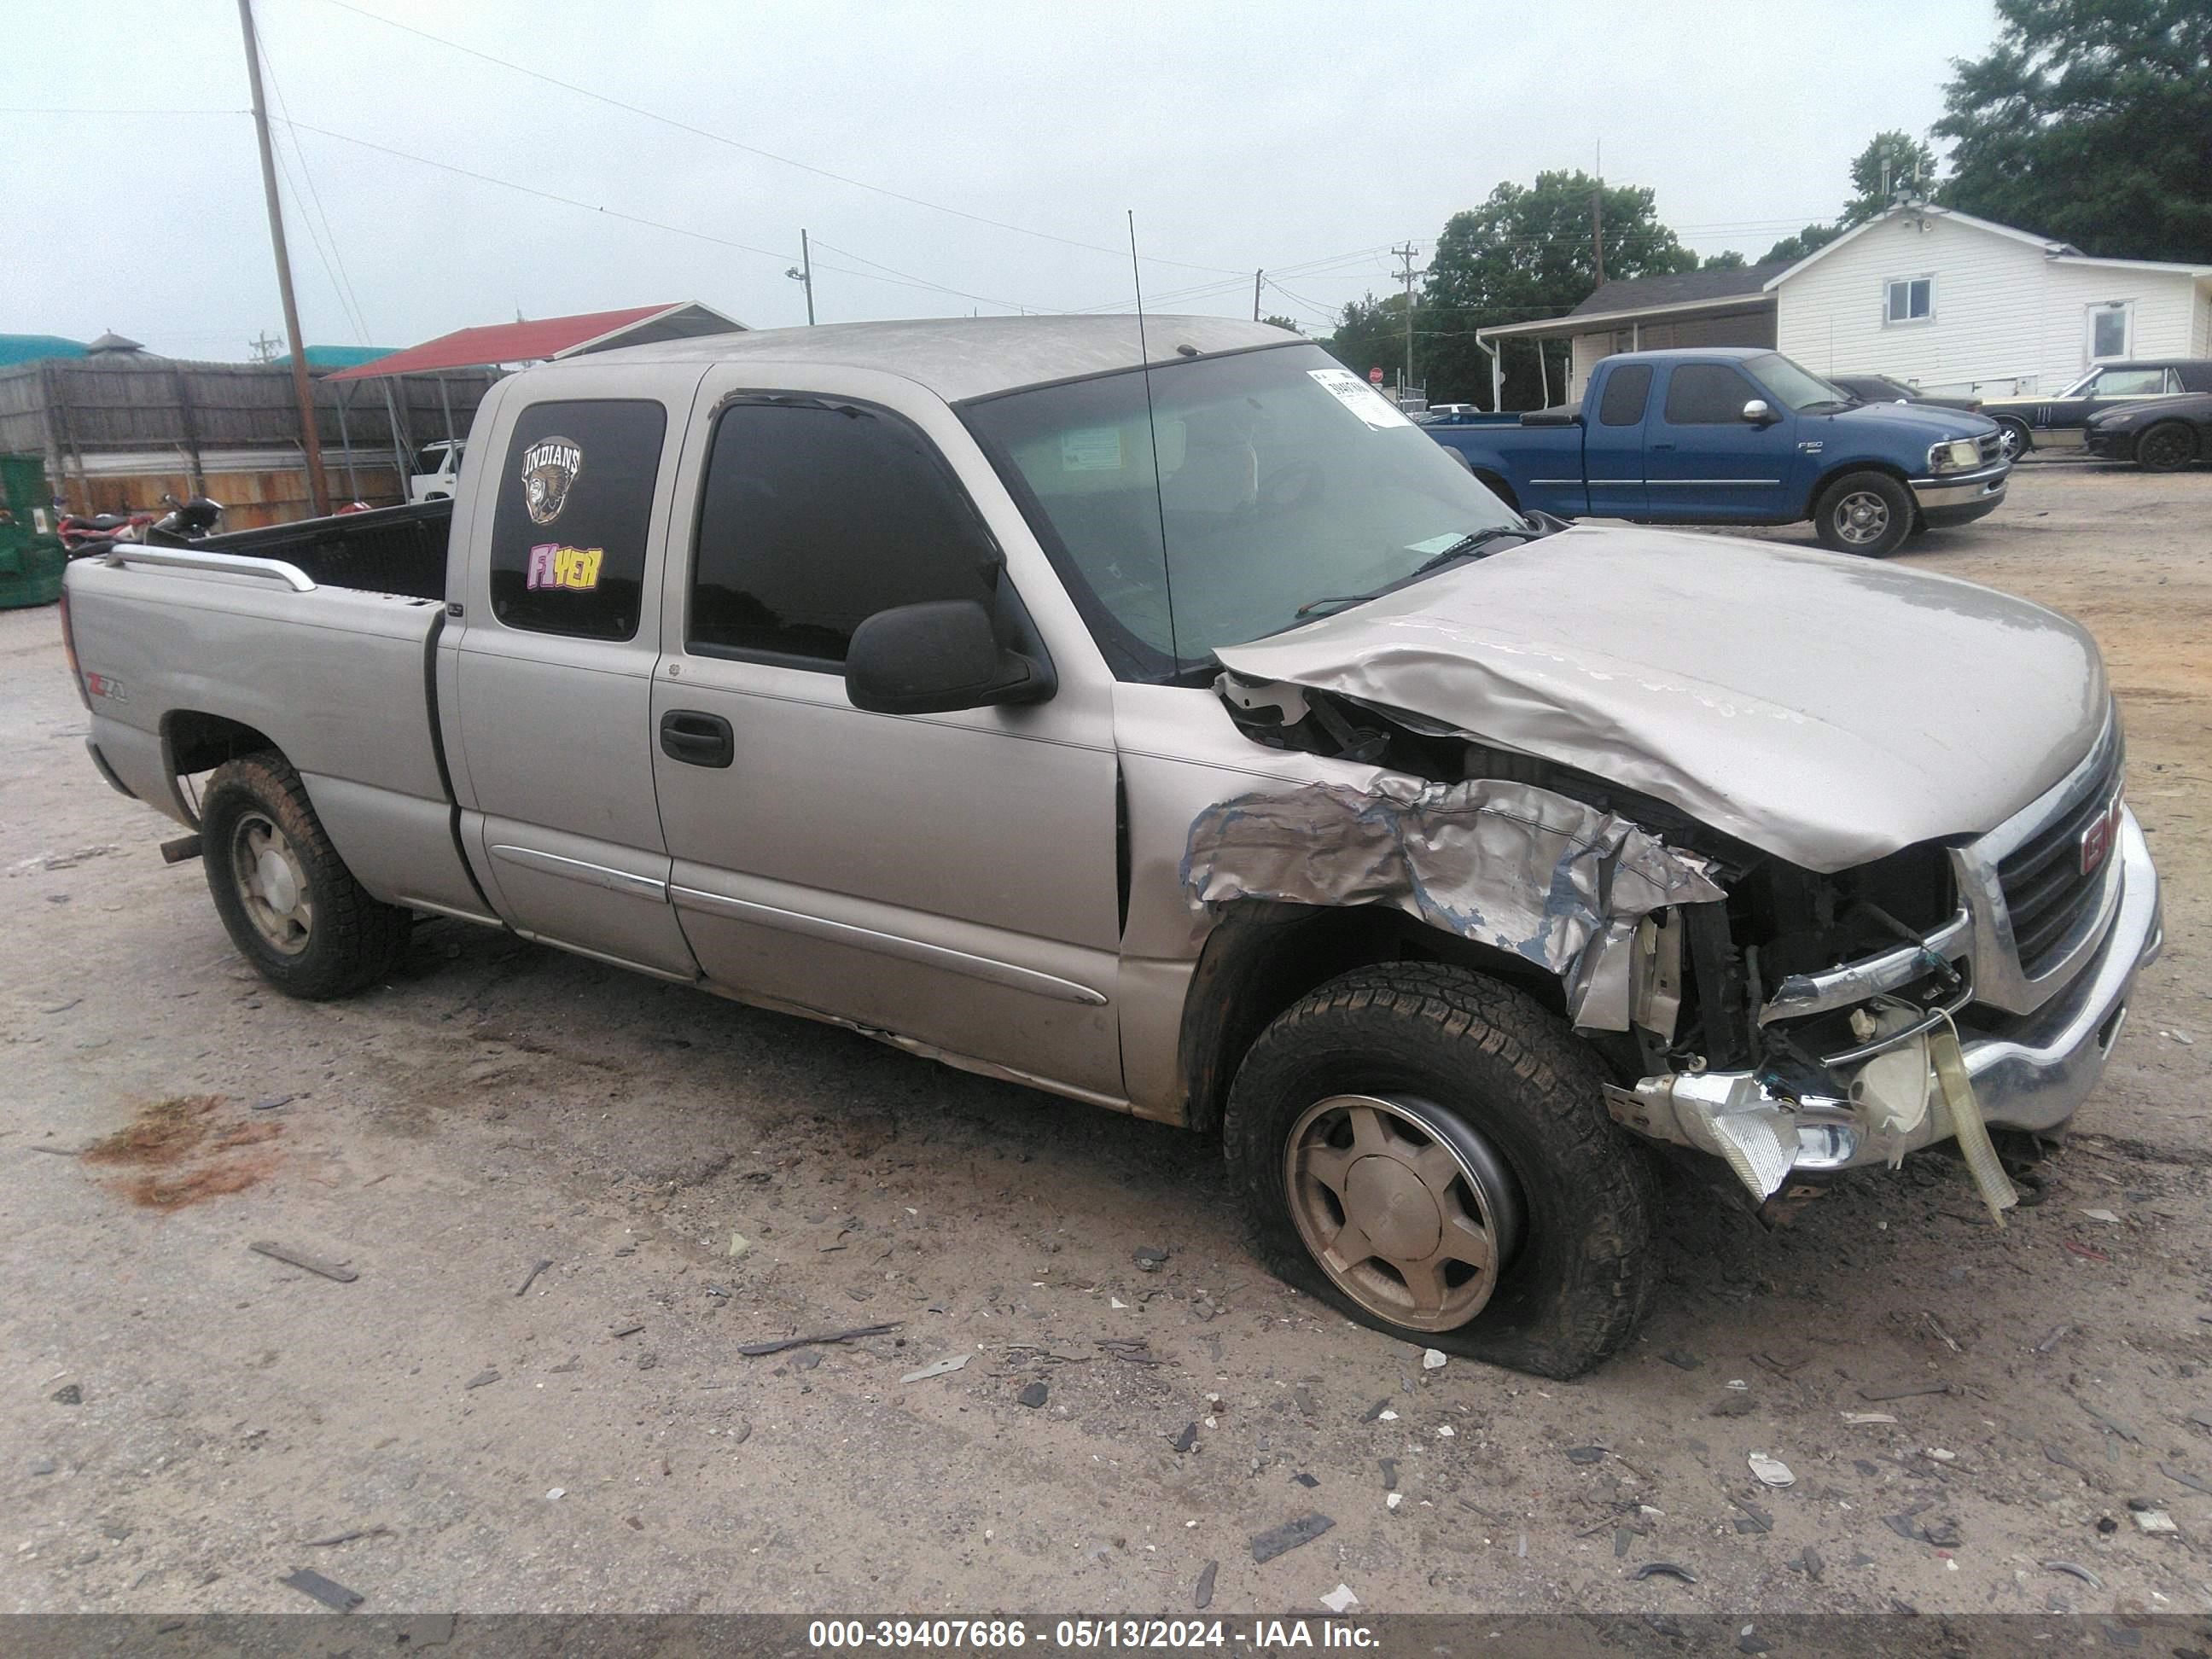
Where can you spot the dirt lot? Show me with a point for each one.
(185, 1419)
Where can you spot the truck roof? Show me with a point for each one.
(1739, 354)
(962, 357)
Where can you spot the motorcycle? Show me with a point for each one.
(183, 524)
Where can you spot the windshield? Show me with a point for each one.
(2081, 388)
(1281, 477)
(1799, 389)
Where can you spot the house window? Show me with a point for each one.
(2112, 330)
(1909, 299)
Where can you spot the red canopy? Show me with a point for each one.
(547, 336)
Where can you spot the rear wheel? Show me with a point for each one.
(1867, 513)
(1429, 1152)
(287, 901)
(2167, 447)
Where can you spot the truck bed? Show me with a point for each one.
(388, 549)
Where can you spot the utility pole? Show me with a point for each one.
(318, 487)
(804, 273)
(1405, 253)
(1256, 276)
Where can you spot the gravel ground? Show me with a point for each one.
(183, 1419)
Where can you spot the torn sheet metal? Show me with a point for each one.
(1507, 864)
(1824, 709)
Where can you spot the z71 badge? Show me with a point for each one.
(576, 568)
(550, 467)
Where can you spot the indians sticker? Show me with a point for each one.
(575, 569)
(550, 467)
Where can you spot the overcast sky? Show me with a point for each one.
(1303, 137)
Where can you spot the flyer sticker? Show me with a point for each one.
(1090, 449)
(1362, 399)
(575, 569)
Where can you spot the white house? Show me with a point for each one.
(1955, 303)
(1927, 295)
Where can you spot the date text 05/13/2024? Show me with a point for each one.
(1085, 1635)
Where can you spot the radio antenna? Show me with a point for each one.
(1152, 437)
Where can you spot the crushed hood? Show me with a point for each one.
(1828, 710)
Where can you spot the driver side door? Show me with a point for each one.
(949, 879)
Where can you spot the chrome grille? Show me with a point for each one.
(1992, 446)
(2045, 889)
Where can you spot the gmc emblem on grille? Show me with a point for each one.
(2097, 839)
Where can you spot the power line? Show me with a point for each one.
(333, 262)
(754, 149)
(907, 278)
(547, 195)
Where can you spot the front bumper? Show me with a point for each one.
(2111, 445)
(2029, 1072)
(1960, 498)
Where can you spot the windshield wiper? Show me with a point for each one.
(1465, 547)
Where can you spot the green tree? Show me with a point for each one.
(1891, 163)
(1372, 334)
(1526, 253)
(1283, 322)
(1727, 260)
(1794, 248)
(2091, 121)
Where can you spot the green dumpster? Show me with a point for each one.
(31, 556)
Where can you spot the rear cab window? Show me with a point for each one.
(1626, 390)
(573, 515)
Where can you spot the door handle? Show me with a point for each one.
(696, 738)
(1662, 445)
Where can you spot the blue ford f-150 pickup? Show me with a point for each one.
(1738, 435)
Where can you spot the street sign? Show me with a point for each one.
(1375, 376)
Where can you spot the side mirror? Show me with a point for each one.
(935, 657)
(1759, 412)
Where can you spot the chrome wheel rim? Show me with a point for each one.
(1409, 1213)
(2009, 440)
(1861, 517)
(272, 883)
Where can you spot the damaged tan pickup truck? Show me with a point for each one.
(1161, 720)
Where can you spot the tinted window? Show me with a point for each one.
(816, 516)
(576, 500)
(1706, 394)
(1625, 390)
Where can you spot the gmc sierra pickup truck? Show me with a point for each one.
(1735, 435)
(1153, 715)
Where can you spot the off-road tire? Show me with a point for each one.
(1583, 1274)
(354, 940)
(1834, 516)
(2167, 447)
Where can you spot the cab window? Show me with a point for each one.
(816, 514)
(574, 506)
(1706, 394)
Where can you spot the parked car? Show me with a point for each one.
(2161, 435)
(437, 471)
(2062, 422)
(1180, 732)
(1738, 435)
(1880, 389)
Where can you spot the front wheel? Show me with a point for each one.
(2014, 439)
(1864, 513)
(1428, 1152)
(2167, 447)
(287, 901)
